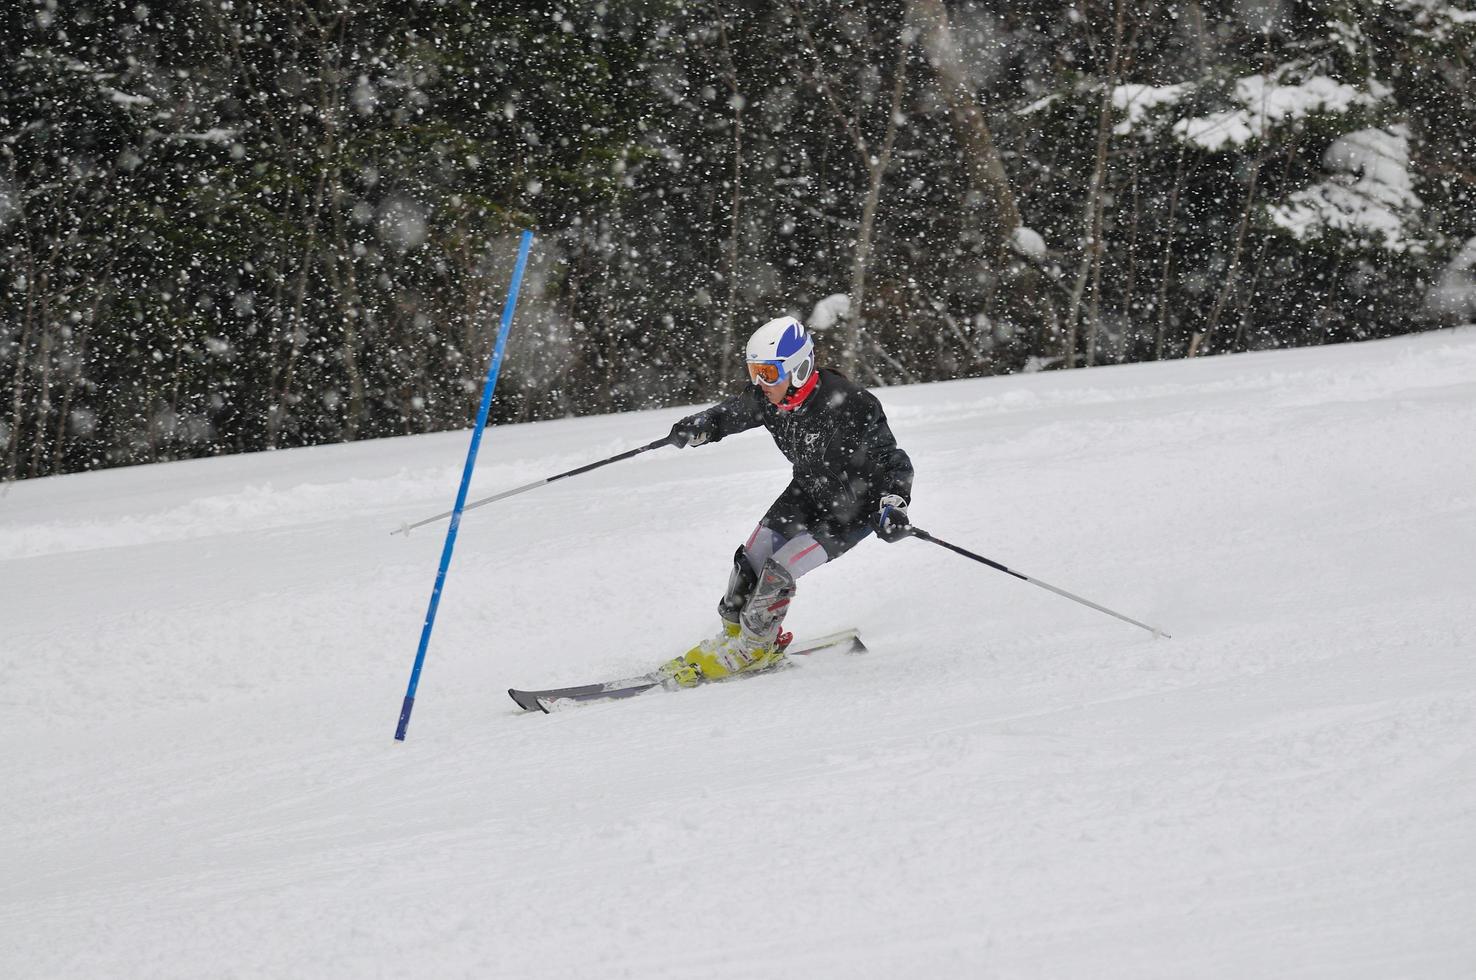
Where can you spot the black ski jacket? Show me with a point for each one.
(845, 457)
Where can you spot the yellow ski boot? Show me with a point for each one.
(692, 668)
(749, 644)
(726, 654)
(762, 656)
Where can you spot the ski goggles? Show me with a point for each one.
(768, 373)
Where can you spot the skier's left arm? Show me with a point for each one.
(889, 473)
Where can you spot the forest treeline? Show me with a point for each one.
(233, 225)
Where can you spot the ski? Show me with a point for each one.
(849, 640)
(528, 700)
(547, 700)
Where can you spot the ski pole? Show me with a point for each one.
(663, 441)
(918, 532)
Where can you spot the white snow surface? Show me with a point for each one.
(203, 663)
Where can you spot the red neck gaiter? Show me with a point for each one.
(797, 397)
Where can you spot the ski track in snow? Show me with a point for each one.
(202, 664)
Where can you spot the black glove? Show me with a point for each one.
(891, 518)
(690, 431)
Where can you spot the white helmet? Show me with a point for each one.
(781, 351)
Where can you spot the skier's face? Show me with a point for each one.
(771, 378)
(775, 393)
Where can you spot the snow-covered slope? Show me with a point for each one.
(201, 665)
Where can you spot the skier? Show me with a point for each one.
(850, 480)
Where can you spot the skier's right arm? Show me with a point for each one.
(732, 415)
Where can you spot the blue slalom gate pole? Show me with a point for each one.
(466, 474)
